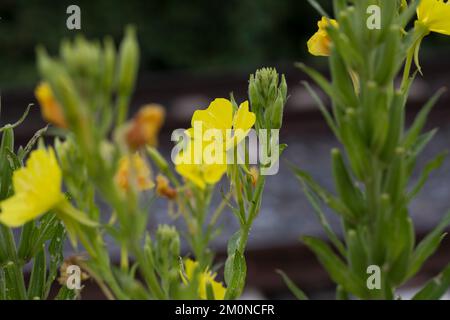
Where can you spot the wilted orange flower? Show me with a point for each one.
(254, 174)
(145, 126)
(164, 189)
(135, 171)
(50, 108)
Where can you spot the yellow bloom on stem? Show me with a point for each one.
(205, 278)
(37, 189)
(435, 15)
(50, 108)
(134, 169)
(233, 128)
(320, 43)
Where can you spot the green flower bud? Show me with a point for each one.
(277, 112)
(128, 62)
(109, 62)
(168, 242)
(267, 96)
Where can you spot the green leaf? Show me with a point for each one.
(233, 243)
(2, 285)
(408, 13)
(323, 221)
(436, 287)
(428, 246)
(25, 243)
(65, 293)
(396, 124)
(351, 196)
(296, 291)
(36, 287)
(332, 201)
(323, 83)
(419, 121)
(323, 109)
(235, 274)
(209, 291)
(318, 7)
(55, 251)
(18, 122)
(356, 254)
(335, 267)
(6, 169)
(432, 165)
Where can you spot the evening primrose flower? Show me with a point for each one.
(205, 278)
(134, 168)
(320, 43)
(37, 189)
(435, 15)
(192, 163)
(50, 108)
(199, 174)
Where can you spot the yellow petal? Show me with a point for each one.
(244, 119)
(192, 173)
(214, 172)
(218, 115)
(243, 122)
(205, 278)
(18, 210)
(319, 44)
(37, 188)
(435, 14)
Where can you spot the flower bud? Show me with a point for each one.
(128, 62)
(168, 243)
(268, 96)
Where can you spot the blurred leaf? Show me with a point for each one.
(436, 287)
(428, 246)
(335, 267)
(296, 291)
(36, 287)
(432, 165)
(419, 121)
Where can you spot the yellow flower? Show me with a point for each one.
(135, 171)
(145, 126)
(435, 15)
(319, 44)
(200, 174)
(50, 108)
(37, 189)
(205, 278)
(218, 116)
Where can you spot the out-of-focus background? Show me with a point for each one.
(194, 51)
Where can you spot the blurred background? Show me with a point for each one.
(194, 51)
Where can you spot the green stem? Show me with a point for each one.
(254, 209)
